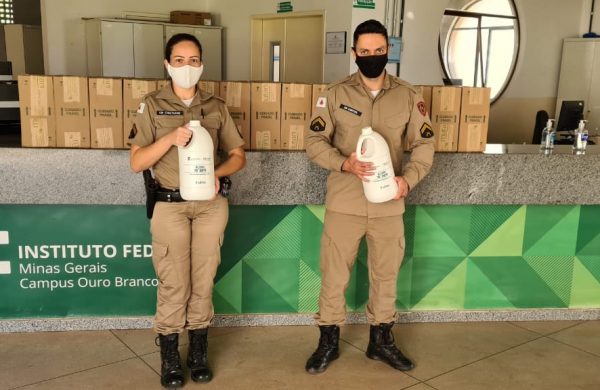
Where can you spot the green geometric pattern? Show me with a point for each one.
(456, 257)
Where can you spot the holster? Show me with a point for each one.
(224, 186)
(151, 186)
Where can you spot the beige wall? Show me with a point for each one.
(64, 33)
(235, 16)
(544, 24)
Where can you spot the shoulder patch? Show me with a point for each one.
(318, 124)
(426, 130)
(321, 102)
(421, 107)
(141, 108)
(133, 131)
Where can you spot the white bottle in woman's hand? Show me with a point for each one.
(381, 186)
(197, 165)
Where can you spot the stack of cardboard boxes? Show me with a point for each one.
(36, 101)
(77, 112)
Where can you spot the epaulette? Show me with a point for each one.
(403, 83)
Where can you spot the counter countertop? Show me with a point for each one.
(520, 175)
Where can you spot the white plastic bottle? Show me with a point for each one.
(548, 135)
(197, 165)
(371, 147)
(581, 138)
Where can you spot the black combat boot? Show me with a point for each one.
(327, 351)
(382, 347)
(197, 359)
(171, 373)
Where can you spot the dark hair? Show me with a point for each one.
(370, 26)
(175, 39)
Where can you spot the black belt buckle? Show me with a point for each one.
(169, 196)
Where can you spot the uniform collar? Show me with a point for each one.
(388, 81)
(167, 93)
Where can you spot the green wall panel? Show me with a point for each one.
(67, 260)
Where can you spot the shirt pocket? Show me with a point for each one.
(395, 126)
(212, 124)
(165, 125)
(347, 127)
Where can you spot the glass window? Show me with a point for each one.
(479, 42)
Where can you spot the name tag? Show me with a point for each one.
(169, 113)
(350, 109)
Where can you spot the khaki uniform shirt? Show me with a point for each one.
(162, 111)
(398, 113)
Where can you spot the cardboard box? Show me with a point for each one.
(237, 98)
(296, 103)
(161, 83)
(210, 87)
(36, 102)
(445, 114)
(265, 126)
(191, 17)
(133, 92)
(474, 119)
(72, 112)
(106, 113)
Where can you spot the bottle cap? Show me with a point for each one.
(367, 130)
(195, 123)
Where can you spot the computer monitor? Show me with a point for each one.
(571, 112)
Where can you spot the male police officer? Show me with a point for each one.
(395, 110)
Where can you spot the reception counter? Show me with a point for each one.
(504, 235)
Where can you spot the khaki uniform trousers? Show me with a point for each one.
(186, 245)
(339, 246)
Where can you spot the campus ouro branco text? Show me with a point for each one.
(81, 266)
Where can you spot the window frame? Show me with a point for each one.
(479, 15)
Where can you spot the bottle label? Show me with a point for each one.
(199, 168)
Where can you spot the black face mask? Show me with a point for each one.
(371, 66)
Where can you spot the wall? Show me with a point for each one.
(64, 32)
(419, 58)
(235, 15)
(544, 24)
(64, 29)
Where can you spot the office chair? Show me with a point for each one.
(541, 118)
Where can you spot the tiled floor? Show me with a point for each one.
(495, 355)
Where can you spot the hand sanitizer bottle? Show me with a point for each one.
(548, 135)
(196, 165)
(581, 138)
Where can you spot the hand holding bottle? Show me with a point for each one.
(181, 136)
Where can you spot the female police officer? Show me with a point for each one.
(186, 235)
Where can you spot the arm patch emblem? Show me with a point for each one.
(426, 130)
(318, 124)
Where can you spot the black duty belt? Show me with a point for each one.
(165, 195)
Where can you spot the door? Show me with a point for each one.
(148, 50)
(303, 50)
(210, 39)
(287, 48)
(117, 46)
